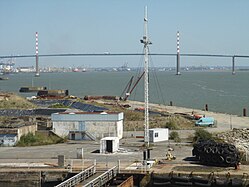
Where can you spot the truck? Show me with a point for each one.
(205, 121)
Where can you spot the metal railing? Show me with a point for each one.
(103, 178)
(83, 175)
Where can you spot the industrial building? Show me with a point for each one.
(9, 136)
(88, 125)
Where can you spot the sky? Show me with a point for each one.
(115, 26)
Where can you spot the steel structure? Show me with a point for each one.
(131, 54)
(80, 177)
(36, 56)
(146, 42)
(178, 53)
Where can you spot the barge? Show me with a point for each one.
(52, 93)
(32, 89)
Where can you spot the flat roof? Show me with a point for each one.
(88, 113)
(110, 138)
(87, 116)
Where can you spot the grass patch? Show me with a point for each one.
(15, 102)
(58, 105)
(133, 115)
(36, 139)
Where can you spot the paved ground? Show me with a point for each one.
(132, 148)
(48, 155)
(131, 151)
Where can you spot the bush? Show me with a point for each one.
(28, 139)
(171, 124)
(174, 136)
(201, 134)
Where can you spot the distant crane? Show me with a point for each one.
(128, 89)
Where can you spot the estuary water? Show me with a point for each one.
(222, 91)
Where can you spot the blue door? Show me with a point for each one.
(82, 126)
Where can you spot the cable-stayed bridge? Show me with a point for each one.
(126, 54)
(106, 54)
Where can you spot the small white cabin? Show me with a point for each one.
(109, 145)
(158, 134)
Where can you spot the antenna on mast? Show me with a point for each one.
(146, 42)
(178, 53)
(36, 56)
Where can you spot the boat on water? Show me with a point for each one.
(4, 78)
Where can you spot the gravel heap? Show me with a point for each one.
(237, 137)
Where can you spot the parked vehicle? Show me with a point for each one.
(205, 121)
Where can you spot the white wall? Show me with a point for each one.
(97, 129)
(158, 134)
(120, 129)
(103, 145)
(62, 128)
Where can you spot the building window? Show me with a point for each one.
(156, 134)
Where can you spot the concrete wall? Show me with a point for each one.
(62, 128)
(120, 129)
(104, 129)
(20, 178)
(33, 178)
(97, 129)
(26, 129)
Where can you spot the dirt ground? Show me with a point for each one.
(224, 121)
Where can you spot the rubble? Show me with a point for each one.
(237, 137)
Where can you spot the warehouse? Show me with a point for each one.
(88, 125)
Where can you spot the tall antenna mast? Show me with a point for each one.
(178, 53)
(36, 56)
(146, 42)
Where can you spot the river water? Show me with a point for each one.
(222, 91)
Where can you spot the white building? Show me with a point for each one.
(109, 145)
(88, 125)
(158, 134)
